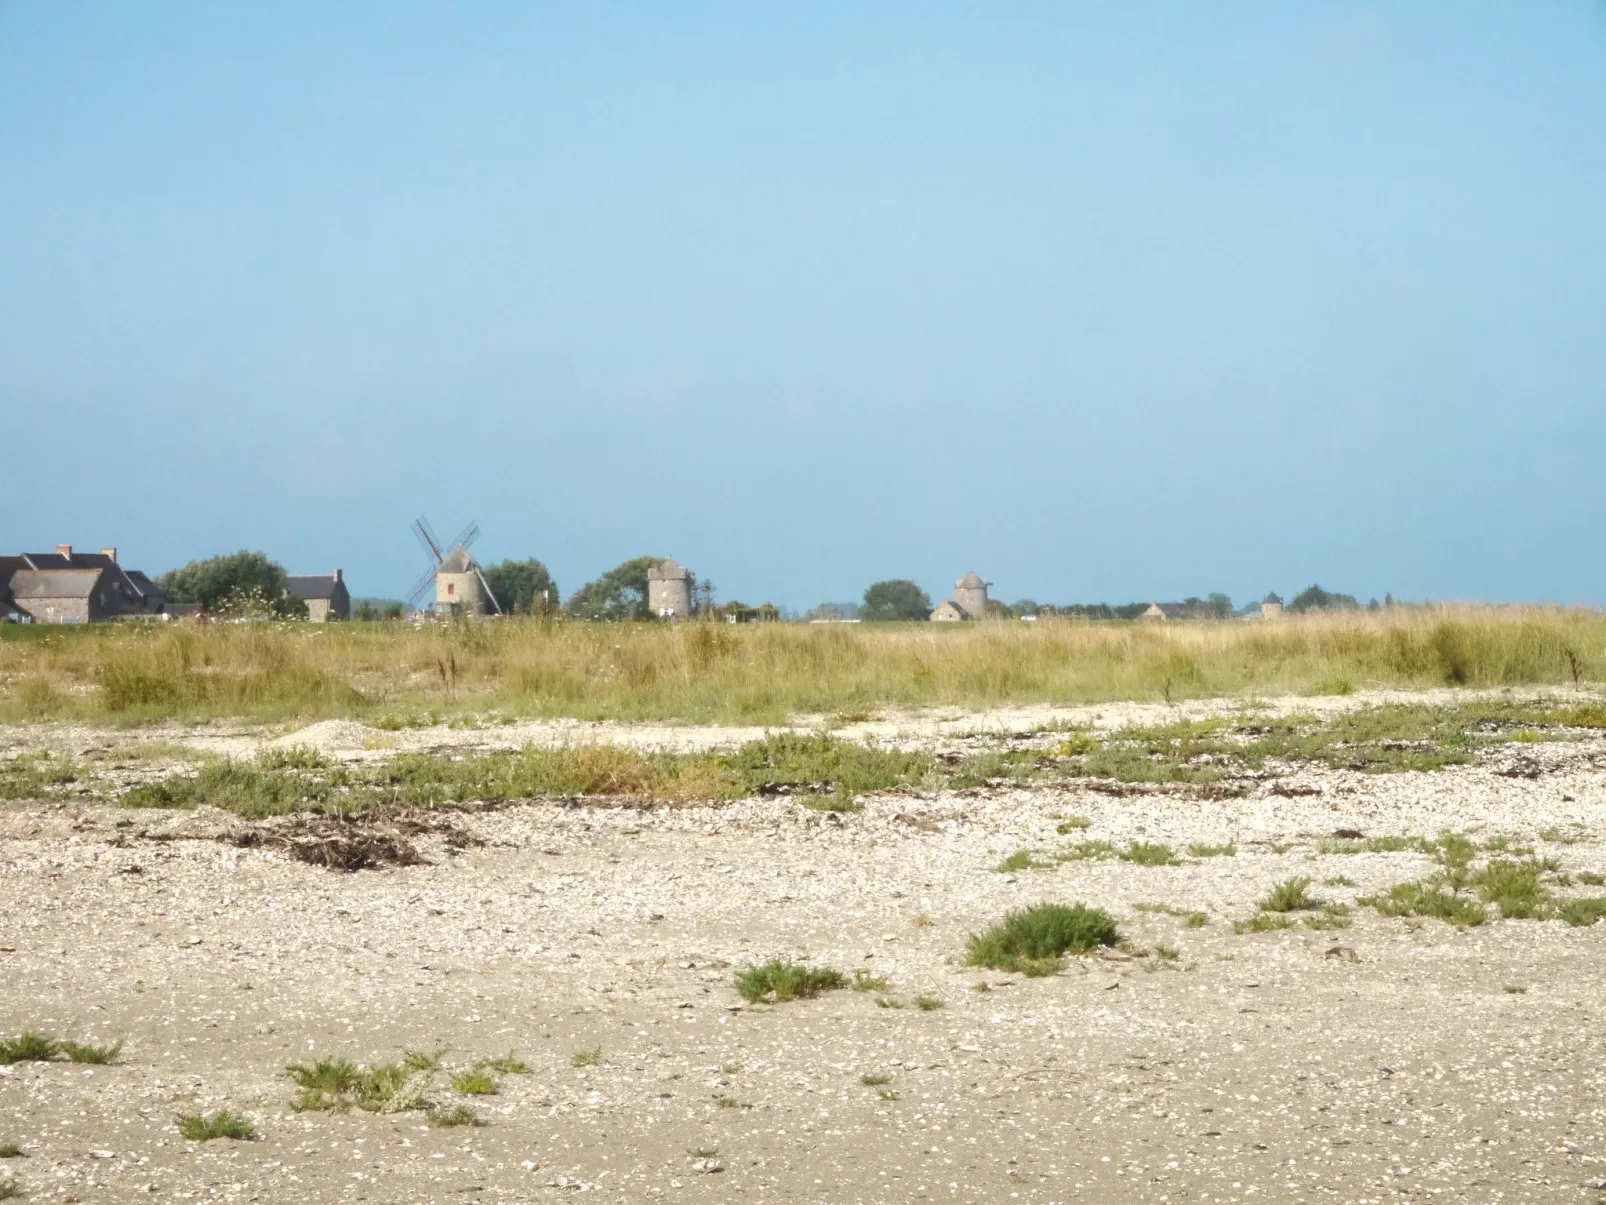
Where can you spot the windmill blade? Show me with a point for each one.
(418, 589)
(466, 537)
(426, 537)
(488, 593)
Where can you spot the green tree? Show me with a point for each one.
(243, 574)
(896, 599)
(1314, 598)
(522, 587)
(620, 593)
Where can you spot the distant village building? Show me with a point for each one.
(325, 595)
(1160, 612)
(669, 590)
(969, 601)
(458, 586)
(74, 587)
(1271, 607)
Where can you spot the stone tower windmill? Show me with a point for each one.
(970, 592)
(460, 587)
(669, 590)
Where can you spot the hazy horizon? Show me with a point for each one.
(1105, 303)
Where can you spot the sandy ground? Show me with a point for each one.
(1386, 1062)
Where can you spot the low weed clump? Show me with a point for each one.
(586, 1058)
(507, 1064)
(1428, 899)
(1263, 922)
(455, 1115)
(928, 1004)
(1581, 913)
(10, 1189)
(1292, 895)
(1072, 824)
(475, 1082)
(1021, 859)
(335, 1084)
(1144, 853)
(11, 1150)
(1201, 850)
(204, 1127)
(38, 776)
(30, 1047)
(864, 981)
(88, 1052)
(875, 1080)
(423, 1060)
(1514, 888)
(1034, 941)
(780, 982)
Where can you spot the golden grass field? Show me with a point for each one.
(763, 673)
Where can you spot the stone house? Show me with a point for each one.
(1271, 607)
(326, 596)
(669, 590)
(75, 587)
(969, 601)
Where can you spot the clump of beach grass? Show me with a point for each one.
(1034, 941)
(780, 982)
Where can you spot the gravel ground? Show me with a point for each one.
(1390, 1061)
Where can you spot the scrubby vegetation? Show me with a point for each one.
(203, 1127)
(761, 673)
(779, 982)
(1034, 941)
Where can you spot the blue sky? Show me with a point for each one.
(1103, 301)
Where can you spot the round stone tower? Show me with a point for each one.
(970, 592)
(669, 591)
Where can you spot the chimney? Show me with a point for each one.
(109, 552)
(338, 578)
(63, 549)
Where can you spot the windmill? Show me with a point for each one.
(460, 586)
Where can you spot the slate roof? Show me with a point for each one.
(970, 582)
(458, 561)
(666, 571)
(55, 583)
(317, 585)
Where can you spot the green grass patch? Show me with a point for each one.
(586, 1058)
(454, 1115)
(1198, 850)
(88, 1052)
(1263, 922)
(1428, 899)
(779, 982)
(1072, 824)
(28, 1047)
(1146, 853)
(1291, 895)
(475, 1082)
(1581, 913)
(1035, 940)
(204, 1127)
(928, 1004)
(507, 1064)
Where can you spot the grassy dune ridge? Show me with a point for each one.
(763, 673)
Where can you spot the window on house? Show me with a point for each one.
(451, 588)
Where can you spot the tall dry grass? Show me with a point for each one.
(764, 673)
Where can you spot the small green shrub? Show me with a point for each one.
(1292, 895)
(927, 1004)
(1021, 859)
(786, 981)
(10, 1150)
(28, 1047)
(1143, 853)
(475, 1082)
(875, 1080)
(1212, 851)
(1034, 941)
(10, 1190)
(864, 981)
(457, 1115)
(586, 1058)
(1514, 888)
(1582, 913)
(1427, 899)
(508, 1064)
(423, 1060)
(1071, 824)
(1263, 922)
(203, 1127)
(83, 1052)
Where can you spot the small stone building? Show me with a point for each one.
(326, 596)
(458, 588)
(669, 590)
(1160, 612)
(74, 587)
(65, 595)
(1271, 607)
(969, 601)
